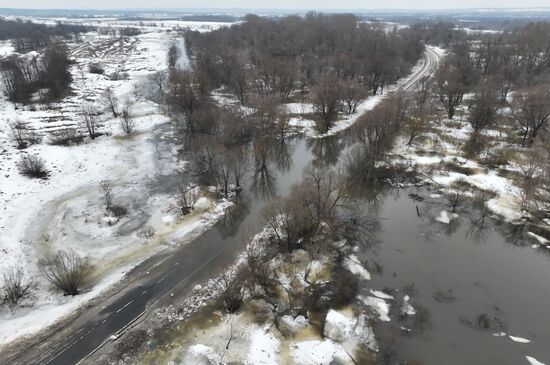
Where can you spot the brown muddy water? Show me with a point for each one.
(469, 281)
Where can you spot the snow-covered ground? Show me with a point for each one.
(65, 211)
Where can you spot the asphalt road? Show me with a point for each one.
(176, 275)
(430, 61)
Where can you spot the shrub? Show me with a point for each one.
(146, 232)
(232, 290)
(15, 289)
(96, 68)
(33, 166)
(66, 270)
(118, 210)
(23, 136)
(65, 137)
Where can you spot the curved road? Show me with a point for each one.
(161, 278)
(430, 62)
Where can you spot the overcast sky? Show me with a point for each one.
(273, 4)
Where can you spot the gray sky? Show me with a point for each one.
(272, 4)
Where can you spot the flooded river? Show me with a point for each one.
(469, 282)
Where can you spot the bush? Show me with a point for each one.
(146, 232)
(117, 76)
(118, 210)
(23, 136)
(33, 166)
(96, 68)
(65, 137)
(127, 123)
(66, 271)
(232, 290)
(15, 290)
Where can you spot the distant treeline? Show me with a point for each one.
(27, 36)
(192, 18)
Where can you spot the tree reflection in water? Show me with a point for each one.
(327, 150)
(264, 183)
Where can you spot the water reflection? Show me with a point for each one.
(282, 154)
(326, 151)
(234, 215)
(478, 231)
(459, 282)
(264, 183)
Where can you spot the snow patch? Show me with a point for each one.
(264, 348)
(338, 325)
(407, 309)
(446, 217)
(533, 361)
(318, 352)
(519, 339)
(378, 305)
(352, 263)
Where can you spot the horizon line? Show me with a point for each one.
(527, 8)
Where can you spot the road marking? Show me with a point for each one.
(125, 305)
(136, 318)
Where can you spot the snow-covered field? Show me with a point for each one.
(65, 211)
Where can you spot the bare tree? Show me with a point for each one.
(173, 55)
(66, 270)
(483, 109)
(423, 111)
(457, 193)
(238, 164)
(106, 189)
(531, 109)
(22, 135)
(353, 94)
(327, 102)
(127, 123)
(110, 101)
(223, 170)
(90, 121)
(187, 198)
(19, 131)
(158, 81)
(232, 290)
(15, 289)
(454, 78)
(183, 95)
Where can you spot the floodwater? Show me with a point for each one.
(459, 272)
(469, 280)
